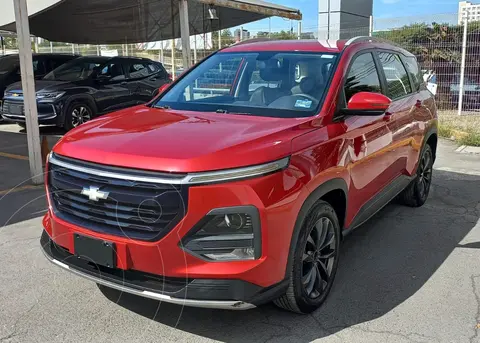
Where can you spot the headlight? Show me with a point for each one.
(49, 95)
(238, 173)
(226, 234)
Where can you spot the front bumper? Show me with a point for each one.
(48, 113)
(202, 293)
(240, 283)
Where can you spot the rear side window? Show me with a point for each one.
(398, 83)
(415, 72)
(114, 71)
(152, 68)
(139, 70)
(362, 77)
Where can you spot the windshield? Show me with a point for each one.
(8, 64)
(275, 84)
(77, 69)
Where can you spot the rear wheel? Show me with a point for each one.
(315, 261)
(77, 114)
(416, 194)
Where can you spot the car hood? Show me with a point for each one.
(43, 85)
(177, 141)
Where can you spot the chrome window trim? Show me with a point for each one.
(190, 179)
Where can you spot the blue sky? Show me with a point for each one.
(416, 10)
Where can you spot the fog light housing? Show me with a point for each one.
(226, 234)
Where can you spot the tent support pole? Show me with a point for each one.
(185, 34)
(29, 97)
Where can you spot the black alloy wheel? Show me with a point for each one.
(416, 193)
(314, 259)
(318, 258)
(80, 114)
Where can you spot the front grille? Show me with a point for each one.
(13, 108)
(134, 209)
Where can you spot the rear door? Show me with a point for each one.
(423, 111)
(403, 110)
(144, 79)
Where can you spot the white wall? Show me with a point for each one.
(7, 15)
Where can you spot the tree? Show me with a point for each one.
(10, 42)
(282, 35)
(438, 47)
(227, 38)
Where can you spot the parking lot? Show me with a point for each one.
(408, 275)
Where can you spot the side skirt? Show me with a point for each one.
(379, 201)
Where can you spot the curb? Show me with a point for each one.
(466, 149)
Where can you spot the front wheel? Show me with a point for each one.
(315, 261)
(77, 114)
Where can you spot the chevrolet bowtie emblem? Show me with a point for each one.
(94, 193)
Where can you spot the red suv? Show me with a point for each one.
(237, 184)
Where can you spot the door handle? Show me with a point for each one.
(418, 104)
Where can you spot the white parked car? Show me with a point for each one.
(430, 79)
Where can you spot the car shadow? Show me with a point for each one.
(383, 263)
(47, 130)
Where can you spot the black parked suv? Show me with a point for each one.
(42, 64)
(88, 87)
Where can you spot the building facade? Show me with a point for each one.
(239, 36)
(340, 19)
(466, 9)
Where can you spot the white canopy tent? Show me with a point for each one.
(118, 22)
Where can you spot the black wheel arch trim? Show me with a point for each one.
(432, 131)
(318, 193)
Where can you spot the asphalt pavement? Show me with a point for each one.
(408, 275)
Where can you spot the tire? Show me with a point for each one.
(77, 114)
(310, 262)
(416, 193)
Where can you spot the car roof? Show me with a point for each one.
(311, 45)
(42, 54)
(103, 59)
(99, 59)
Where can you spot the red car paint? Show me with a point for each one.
(367, 152)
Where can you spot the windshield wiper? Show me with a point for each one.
(221, 111)
(164, 107)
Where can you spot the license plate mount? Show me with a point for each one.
(95, 250)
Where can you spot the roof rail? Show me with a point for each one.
(359, 39)
(253, 40)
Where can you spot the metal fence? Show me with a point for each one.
(448, 52)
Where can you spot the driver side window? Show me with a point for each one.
(362, 77)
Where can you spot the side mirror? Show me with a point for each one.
(368, 104)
